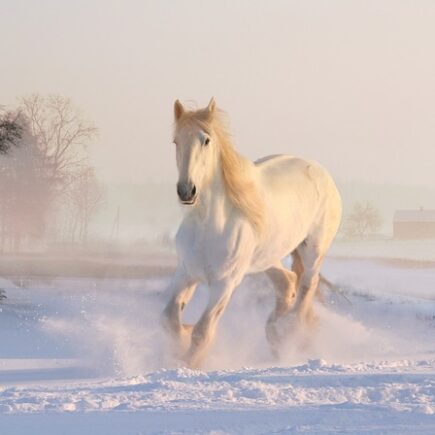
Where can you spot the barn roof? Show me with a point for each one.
(414, 215)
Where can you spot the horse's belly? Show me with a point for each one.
(287, 228)
(274, 249)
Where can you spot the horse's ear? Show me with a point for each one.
(211, 106)
(178, 110)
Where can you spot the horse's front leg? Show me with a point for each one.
(204, 331)
(284, 282)
(182, 289)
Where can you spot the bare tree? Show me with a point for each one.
(10, 131)
(363, 220)
(85, 197)
(48, 167)
(24, 190)
(62, 134)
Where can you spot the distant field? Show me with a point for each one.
(162, 261)
(416, 250)
(97, 266)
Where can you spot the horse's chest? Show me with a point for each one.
(210, 255)
(203, 256)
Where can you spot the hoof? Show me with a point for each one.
(308, 319)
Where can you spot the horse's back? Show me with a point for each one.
(299, 191)
(290, 173)
(280, 167)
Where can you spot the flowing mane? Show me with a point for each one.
(236, 170)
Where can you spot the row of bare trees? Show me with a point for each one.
(47, 185)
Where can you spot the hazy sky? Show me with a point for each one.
(348, 83)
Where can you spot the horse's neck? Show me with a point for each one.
(214, 206)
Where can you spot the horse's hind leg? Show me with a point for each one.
(312, 251)
(297, 266)
(312, 258)
(285, 282)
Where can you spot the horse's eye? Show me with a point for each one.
(207, 141)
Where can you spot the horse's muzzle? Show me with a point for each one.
(186, 193)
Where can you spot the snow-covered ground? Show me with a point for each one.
(87, 355)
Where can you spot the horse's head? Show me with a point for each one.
(196, 150)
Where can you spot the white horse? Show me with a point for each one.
(244, 217)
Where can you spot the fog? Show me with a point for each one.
(347, 83)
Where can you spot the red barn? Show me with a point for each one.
(414, 224)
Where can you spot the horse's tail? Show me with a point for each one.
(328, 283)
(332, 287)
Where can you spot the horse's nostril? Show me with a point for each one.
(186, 191)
